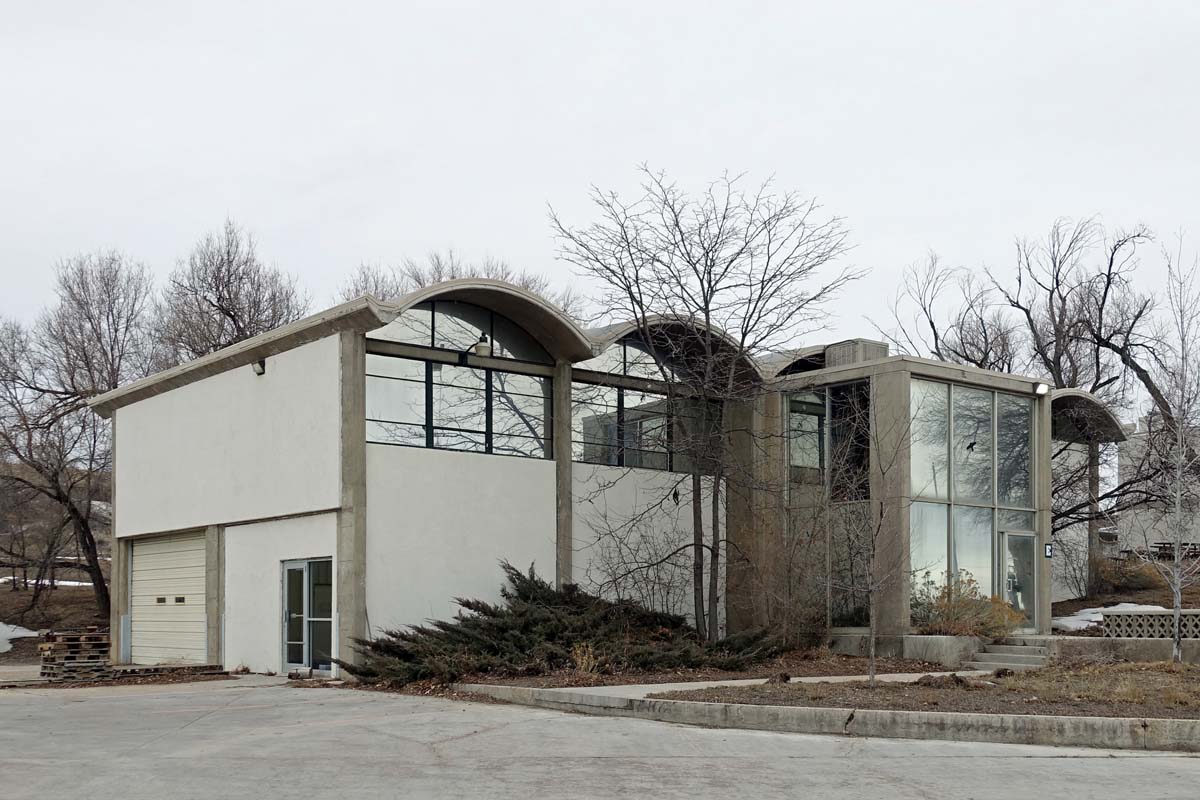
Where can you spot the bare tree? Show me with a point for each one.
(93, 339)
(711, 283)
(222, 294)
(1171, 438)
(391, 283)
(1069, 314)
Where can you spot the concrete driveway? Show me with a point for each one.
(256, 738)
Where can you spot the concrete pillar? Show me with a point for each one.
(751, 509)
(118, 590)
(1042, 482)
(564, 519)
(891, 499)
(351, 555)
(214, 593)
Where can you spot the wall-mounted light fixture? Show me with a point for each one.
(1041, 389)
(483, 347)
(260, 367)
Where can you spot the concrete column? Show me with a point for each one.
(1042, 482)
(890, 497)
(214, 592)
(118, 590)
(564, 521)
(351, 555)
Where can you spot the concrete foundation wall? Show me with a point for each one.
(232, 447)
(439, 523)
(254, 556)
(624, 517)
(949, 651)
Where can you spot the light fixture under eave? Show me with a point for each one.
(260, 366)
(1041, 389)
(483, 347)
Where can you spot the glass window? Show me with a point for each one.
(806, 430)
(640, 363)
(929, 525)
(510, 340)
(395, 401)
(460, 326)
(611, 360)
(646, 441)
(1015, 520)
(1014, 434)
(520, 414)
(972, 445)
(594, 423)
(850, 441)
(413, 326)
(459, 407)
(972, 551)
(930, 439)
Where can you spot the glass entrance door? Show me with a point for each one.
(308, 614)
(1018, 565)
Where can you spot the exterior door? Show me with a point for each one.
(308, 614)
(1018, 574)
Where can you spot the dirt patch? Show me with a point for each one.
(796, 663)
(132, 680)
(1165, 691)
(1158, 596)
(64, 608)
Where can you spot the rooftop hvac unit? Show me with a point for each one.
(854, 351)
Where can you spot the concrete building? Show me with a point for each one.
(355, 471)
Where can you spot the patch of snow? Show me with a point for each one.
(1089, 617)
(8, 632)
(8, 579)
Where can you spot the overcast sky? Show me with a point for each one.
(369, 132)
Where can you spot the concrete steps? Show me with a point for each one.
(1012, 654)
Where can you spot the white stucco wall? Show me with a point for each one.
(235, 446)
(254, 556)
(439, 523)
(625, 517)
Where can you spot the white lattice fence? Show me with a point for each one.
(1149, 624)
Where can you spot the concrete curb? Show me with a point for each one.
(1181, 735)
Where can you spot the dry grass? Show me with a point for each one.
(65, 608)
(1158, 690)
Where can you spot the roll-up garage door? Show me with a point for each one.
(166, 608)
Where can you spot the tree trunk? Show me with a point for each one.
(87, 544)
(698, 550)
(1094, 555)
(1177, 608)
(714, 564)
(871, 592)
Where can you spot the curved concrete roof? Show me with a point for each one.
(1080, 416)
(607, 336)
(556, 332)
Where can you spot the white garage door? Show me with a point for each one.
(166, 608)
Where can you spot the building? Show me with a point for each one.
(355, 471)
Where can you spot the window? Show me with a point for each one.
(972, 450)
(806, 433)
(850, 441)
(452, 325)
(629, 428)
(451, 407)
(929, 439)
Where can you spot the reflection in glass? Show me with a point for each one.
(459, 326)
(320, 589)
(929, 436)
(594, 423)
(611, 360)
(1014, 433)
(646, 442)
(850, 441)
(1015, 520)
(459, 407)
(1019, 564)
(520, 415)
(928, 540)
(972, 445)
(294, 622)
(413, 326)
(806, 431)
(972, 550)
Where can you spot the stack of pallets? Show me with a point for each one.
(76, 655)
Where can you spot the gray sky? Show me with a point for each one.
(382, 130)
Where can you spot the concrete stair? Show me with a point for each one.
(1011, 654)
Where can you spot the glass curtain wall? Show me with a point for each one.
(971, 478)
